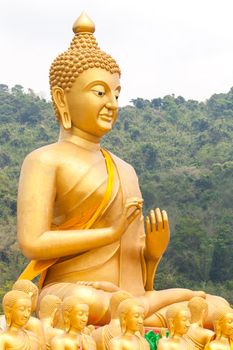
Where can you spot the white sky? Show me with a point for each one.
(183, 47)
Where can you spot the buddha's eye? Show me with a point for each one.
(98, 91)
(117, 96)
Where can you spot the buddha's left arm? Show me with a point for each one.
(156, 242)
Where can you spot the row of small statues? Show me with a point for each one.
(63, 325)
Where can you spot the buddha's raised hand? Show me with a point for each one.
(157, 234)
(132, 209)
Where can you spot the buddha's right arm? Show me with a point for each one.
(36, 197)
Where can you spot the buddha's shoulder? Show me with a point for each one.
(166, 344)
(115, 342)
(122, 164)
(215, 345)
(34, 321)
(59, 339)
(49, 154)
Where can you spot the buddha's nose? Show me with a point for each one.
(111, 105)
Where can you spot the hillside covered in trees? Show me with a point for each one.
(183, 154)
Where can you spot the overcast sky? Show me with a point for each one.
(183, 47)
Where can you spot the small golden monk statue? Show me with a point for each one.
(131, 315)
(17, 310)
(80, 207)
(75, 315)
(103, 335)
(33, 324)
(223, 326)
(50, 305)
(198, 336)
(178, 320)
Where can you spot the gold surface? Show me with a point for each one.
(75, 317)
(80, 208)
(223, 326)
(49, 309)
(197, 335)
(17, 307)
(178, 321)
(131, 315)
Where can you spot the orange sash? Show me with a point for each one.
(39, 267)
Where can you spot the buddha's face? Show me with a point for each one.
(20, 312)
(227, 325)
(92, 101)
(134, 318)
(181, 322)
(79, 316)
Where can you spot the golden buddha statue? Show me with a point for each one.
(223, 326)
(34, 324)
(49, 306)
(103, 335)
(178, 320)
(75, 315)
(17, 310)
(197, 335)
(131, 315)
(79, 207)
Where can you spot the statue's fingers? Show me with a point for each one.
(134, 200)
(148, 227)
(132, 203)
(159, 219)
(165, 220)
(152, 220)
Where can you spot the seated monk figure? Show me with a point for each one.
(131, 315)
(178, 320)
(75, 315)
(50, 305)
(103, 335)
(17, 310)
(33, 324)
(223, 326)
(80, 207)
(197, 335)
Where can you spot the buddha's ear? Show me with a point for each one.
(217, 328)
(52, 316)
(66, 317)
(60, 101)
(171, 327)
(123, 323)
(8, 317)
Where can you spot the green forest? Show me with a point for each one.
(182, 152)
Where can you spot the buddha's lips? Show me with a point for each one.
(106, 117)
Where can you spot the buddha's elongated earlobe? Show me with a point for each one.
(171, 327)
(217, 328)
(59, 99)
(67, 321)
(8, 318)
(123, 323)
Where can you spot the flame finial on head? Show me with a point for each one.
(83, 24)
